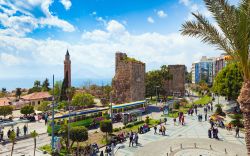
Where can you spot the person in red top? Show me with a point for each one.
(182, 120)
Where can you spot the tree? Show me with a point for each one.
(27, 109)
(3, 92)
(228, 81)
(44, 106)
(45, 85)
(18, 92)
(63, 95)
(233, 37)
(6, 110)
(157, 78)
(78, 134)
(12, 139)
(57, 90)
(83, 99)
(106, 127)
(37, 83)
(34, 134)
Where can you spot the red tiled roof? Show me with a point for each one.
(37, 96)
(6, 101)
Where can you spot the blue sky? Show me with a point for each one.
(35, 34)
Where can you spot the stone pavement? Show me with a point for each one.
(193, 130)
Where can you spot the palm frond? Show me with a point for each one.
(206, 31)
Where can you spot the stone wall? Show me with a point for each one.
(176, 85)
(129, 81)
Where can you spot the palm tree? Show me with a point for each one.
(34, 134)
(37, 83)
(12, 139)
(18, 92)
(233, 37)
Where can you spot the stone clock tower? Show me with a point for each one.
(67, 68)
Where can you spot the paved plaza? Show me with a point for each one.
(192, 133)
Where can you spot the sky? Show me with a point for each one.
(35, 35)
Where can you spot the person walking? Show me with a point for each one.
(130, 138)
(165, 120)
(209, 133)
(133, 140)
(136, 139)
(155, 128)
(17, 131)
(25, 129)
(174, 121)
(8, 133)
(206, 117)
(182, 120)
(237, 132)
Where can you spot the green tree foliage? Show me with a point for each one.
(34, 135)
(13, 140)
(156, 78)
(83, 99)
(27, 110)
(44, 106)
(228, 81)
(219, 111)
(57, 90)
(63, 95)
(3, 92)
(78, 134)
(45, 85)
(6, 110)
(18, 92)
(106, 126)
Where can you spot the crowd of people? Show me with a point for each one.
(17, 132)
(133, 138)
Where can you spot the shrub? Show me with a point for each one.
(116, 130)
(219, 111)
(147, 120)
(176, 105)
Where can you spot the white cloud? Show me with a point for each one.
(161, 14)
(66, 3)
(115, 27)
(56, 22)
(150, 20)
(20, 25)
(185, 2)
(10, 60)
(94, 55)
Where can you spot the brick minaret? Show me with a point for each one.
(67, 68)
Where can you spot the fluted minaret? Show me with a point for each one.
(67, 68)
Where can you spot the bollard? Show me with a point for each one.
(225, 151)
(211, 147)
(167, 154)
(181, 146)
(194, 145)
(171, 149)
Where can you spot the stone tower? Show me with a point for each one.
(176, 85)
(129, 81)
(67, 68)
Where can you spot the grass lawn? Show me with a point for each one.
(85, 123)
(203, 100)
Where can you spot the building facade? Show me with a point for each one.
(67, 68)
(203, 70)
(176, 85)
(129, 81)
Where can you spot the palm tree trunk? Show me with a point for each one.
(244, 100)
(12, 150)
(77, 152)
(34, 146)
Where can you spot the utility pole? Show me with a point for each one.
(156, 94)
(53, 119)
(111, 113)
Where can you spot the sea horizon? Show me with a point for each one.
(12, 83)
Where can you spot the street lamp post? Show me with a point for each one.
(111, 113)
(53, 119)
(156, 94)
